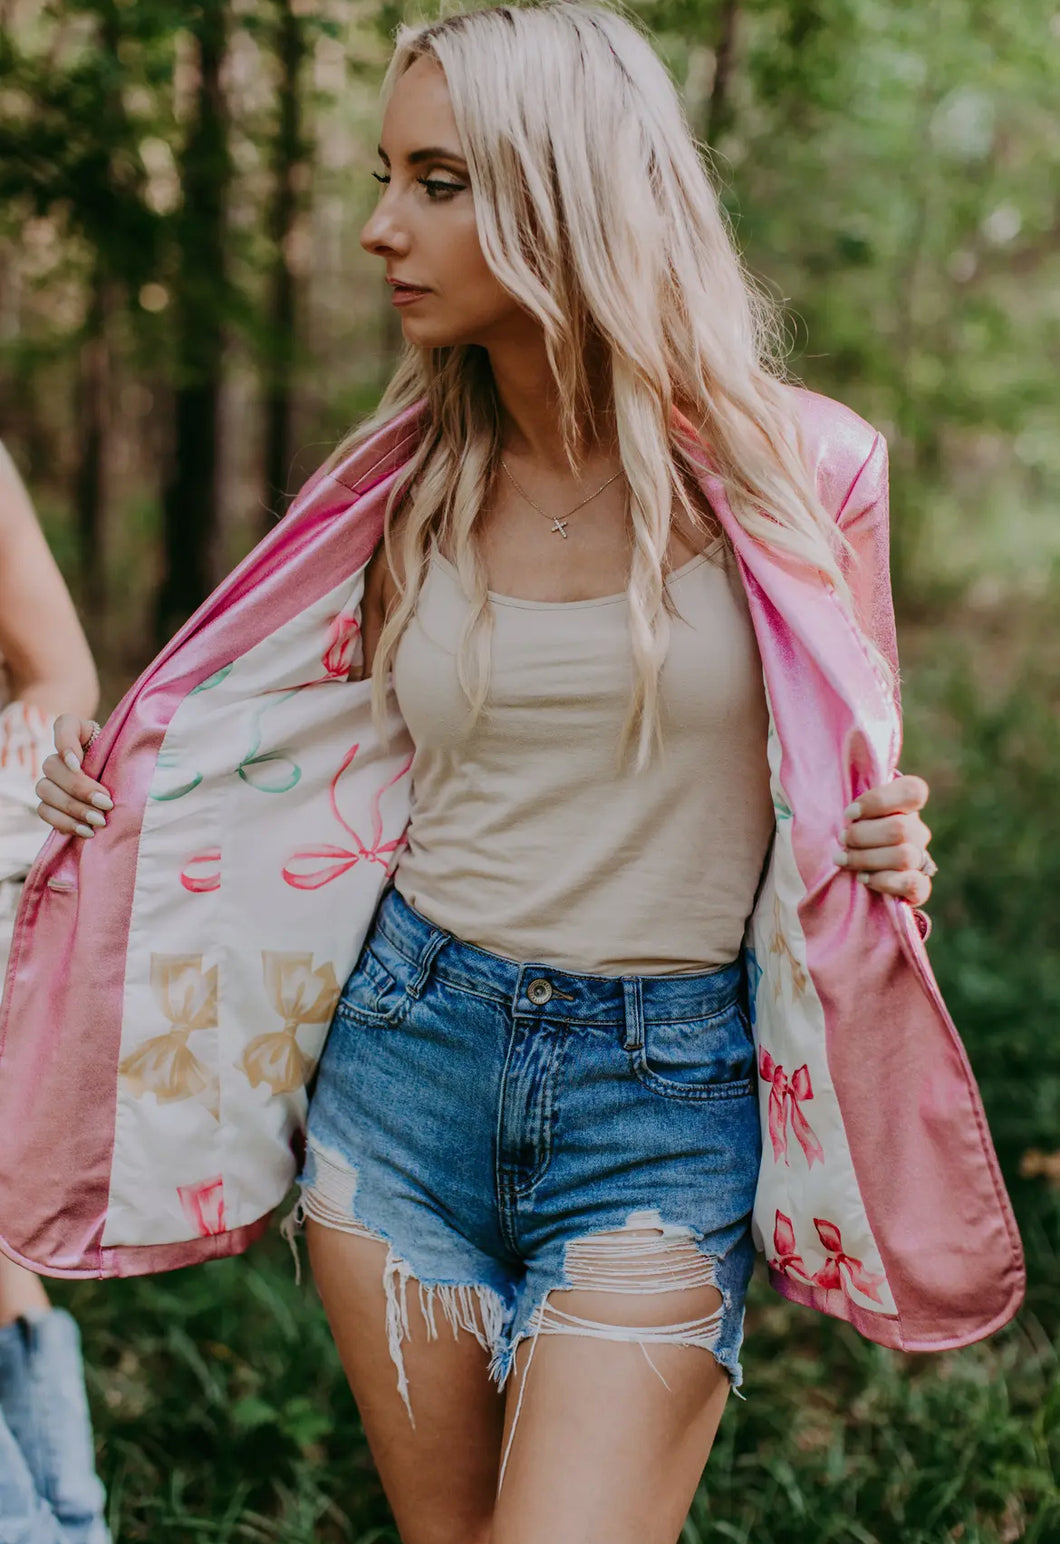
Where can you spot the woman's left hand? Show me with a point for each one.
(885, 841)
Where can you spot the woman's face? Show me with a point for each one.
(424, 224)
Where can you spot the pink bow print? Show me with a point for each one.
(784, 1105)
(341, 643)
(830, 1276)
(204, 1205)
(831, 1273)
(787, 1259)
(343, 858)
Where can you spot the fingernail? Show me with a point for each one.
(852, 811)
(94, 818)
(102, 801)
(841, 858)
(84, 830)
(864, 875)
(71, 761)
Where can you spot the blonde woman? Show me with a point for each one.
(629, 631)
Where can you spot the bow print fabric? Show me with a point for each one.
(341, 859)
(165, 1066)
(299, 995)
(785, 1096)
(840, 1270)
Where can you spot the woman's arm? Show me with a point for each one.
(43, 646)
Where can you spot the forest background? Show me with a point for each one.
(187, 324)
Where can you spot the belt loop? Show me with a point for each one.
(422, 976)
(634, 1028)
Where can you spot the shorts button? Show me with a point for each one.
(539, 991)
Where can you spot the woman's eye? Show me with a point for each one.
(437, 189)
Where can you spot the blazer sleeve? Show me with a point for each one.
(863, 518)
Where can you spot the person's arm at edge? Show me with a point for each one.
(42, 642)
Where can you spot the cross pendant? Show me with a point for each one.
(560, 526)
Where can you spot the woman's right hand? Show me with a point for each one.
(70, 801)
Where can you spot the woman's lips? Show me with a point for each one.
(404, 294)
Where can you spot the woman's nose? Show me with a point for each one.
(381, 236)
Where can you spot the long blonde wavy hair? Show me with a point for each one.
(595, 211)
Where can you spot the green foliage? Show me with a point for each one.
(983, 712)
(67, 147)
(223, 1412)
(891, 170)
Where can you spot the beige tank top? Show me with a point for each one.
(524, 837)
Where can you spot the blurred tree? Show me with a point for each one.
(69, 154)
(201, 301)
(719, 103)
(291, 171)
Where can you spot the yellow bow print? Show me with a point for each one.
(186, 994)
(299, 995)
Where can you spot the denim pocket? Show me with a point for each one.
(708, 1058)
(372, 994)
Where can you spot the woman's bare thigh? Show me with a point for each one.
(439, 1469)
(605, 1440)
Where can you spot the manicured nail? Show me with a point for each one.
(864, 875)
(94, 818)
(841, 858)
(71, 761)
(84, 830)
(102, 801)
(852, 811)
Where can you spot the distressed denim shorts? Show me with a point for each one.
(512, 1130)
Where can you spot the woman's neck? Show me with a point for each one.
(530, 407)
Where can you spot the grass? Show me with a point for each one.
(222, 1414)
(220, 1407)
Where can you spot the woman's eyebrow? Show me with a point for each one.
(428, 153)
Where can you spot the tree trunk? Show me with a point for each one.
(93, 380)
(719, 108)
(190, 498)
(90, 476)
(290, 166)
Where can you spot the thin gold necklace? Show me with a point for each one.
(559, 523)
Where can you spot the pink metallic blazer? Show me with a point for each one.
(171, 982)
